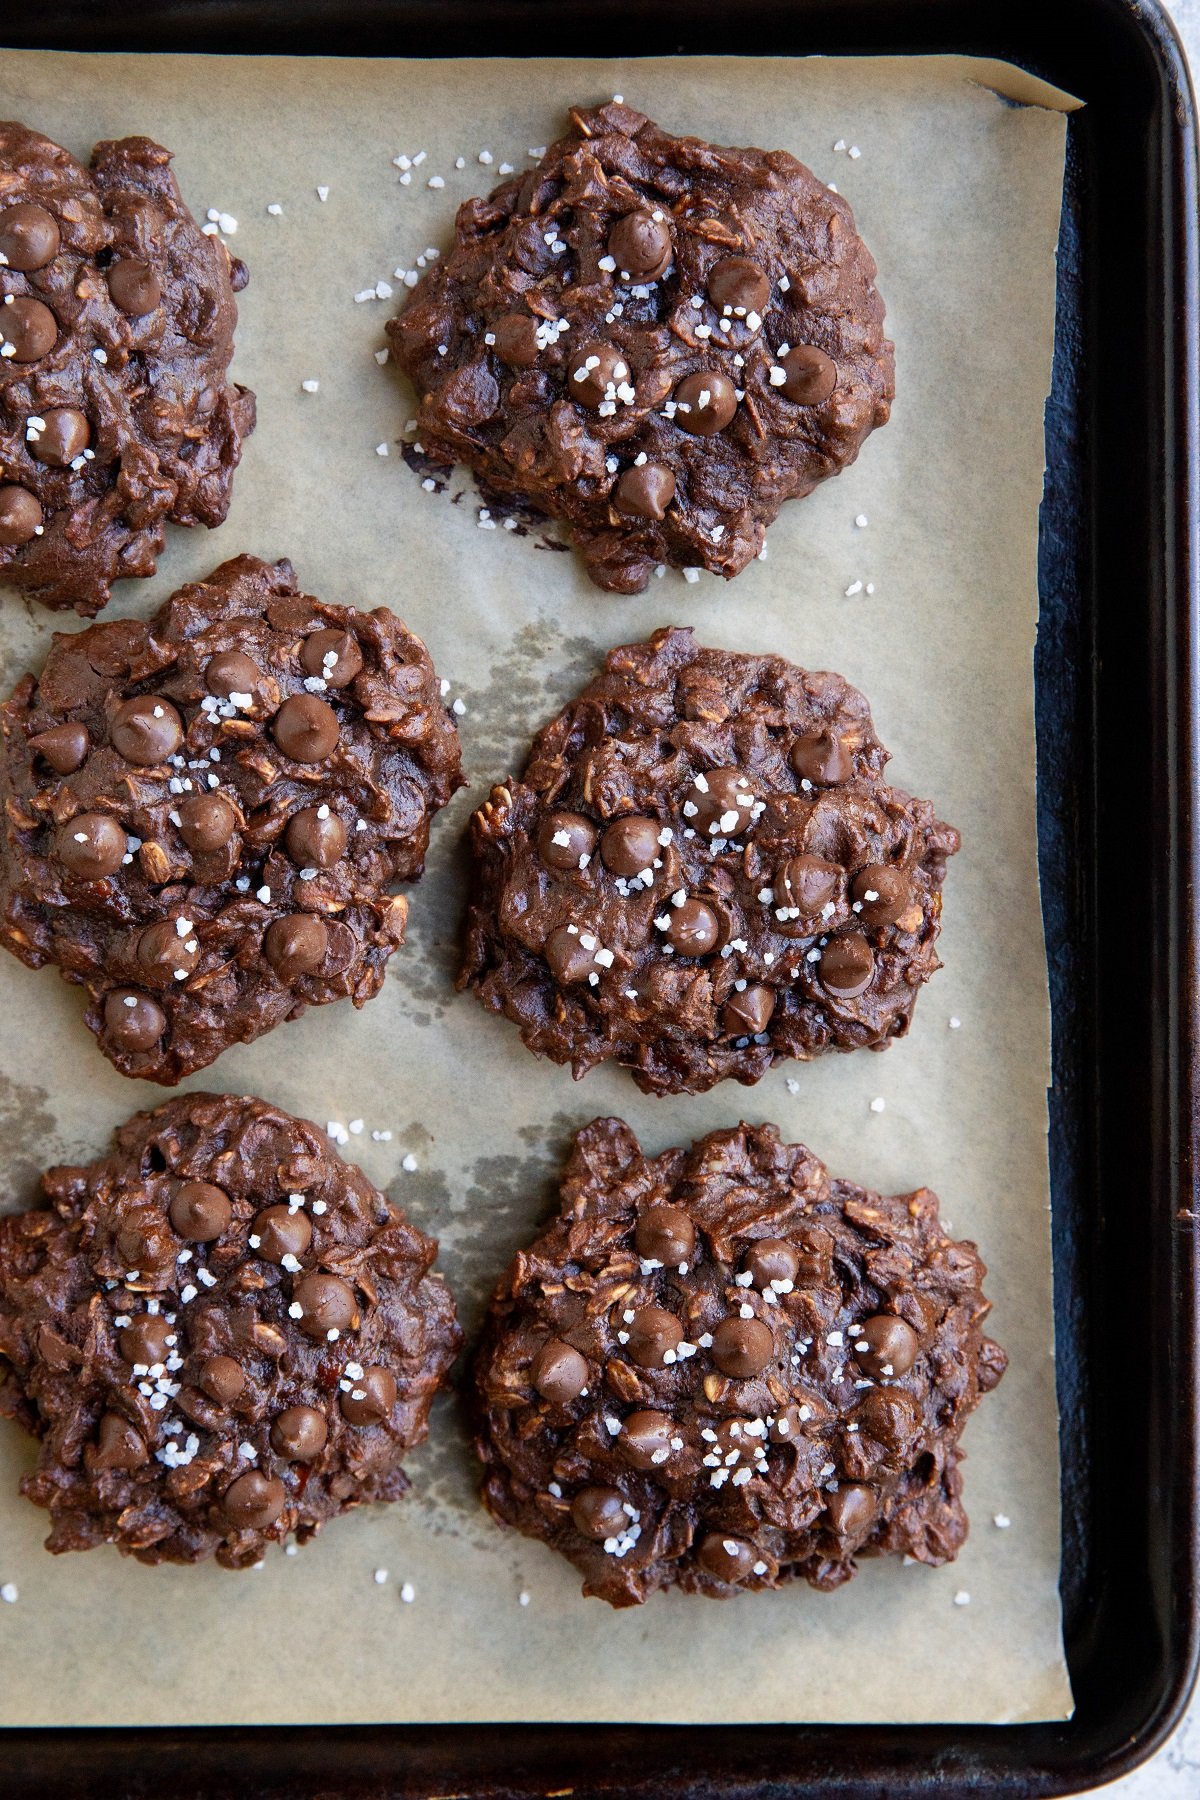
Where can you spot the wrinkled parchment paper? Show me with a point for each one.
(957, 193)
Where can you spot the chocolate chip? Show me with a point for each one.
(883, 892)
(253, 1502)
(726, 1558)
(29, 327)
(852, 1510)
(749, 1011)
(64, 435)
(822, 759)
(705, 402)
(630, 844)
(332, 654)
(64, 747)
(693, 929)
(231, 672)
(299, 1433)
(599, 1513)
(771, 1259)
(720, 803)
(200, 1211)
(892, 1345)
(594, 372)
(563, 837)
(145, 1340)
(118, 1445)
(640, 245)
(516, 340)
(807, 883)
(569, 960)
(206, 822)
(20, 515)
(654, 1334)
(134, 286)
(162, 954)
(296, 944)
(559, 1372)
(306, 728)
(326, 1304)
(314, 841)
(91, 845)
(146, 730)
(370, 1399)
(786, 1427)
(645, 1439)
(665, 1234)
(645, 491)
(742, 1347)
(738, 283)
(847, 965)
(132, 1021)
(29, 236)
(222, 1379)
(281, 1232)
(809, 375)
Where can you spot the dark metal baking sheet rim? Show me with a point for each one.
(1117, 690)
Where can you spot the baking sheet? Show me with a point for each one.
(957, 192)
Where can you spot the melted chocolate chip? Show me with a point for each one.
(564, 837)
(847, 965)
(654, 1334)
(726, 1558)
(569, 959)
(748, 1012)
(742, 1347)
(559, 1372)
(891, 1345)
(693, 929)
(222, 1379)
(254, 1501)
(771, 1259)
(640, 245)
(739, 284)
(200, 1212)
(594, 372)
(645, 1439)
(91, 845)
(146, 730)
(720, 803)
(145, 1340)
(29, 236)
(807, 883)
(119, 1446)
(516, 340)
(705, 403)
(20, 515)
(306, 728)
(665, 1234)
(599, 1513)
(645, 491)
(852, 1510)
(134, 286)
(370, 1398)
(299, 1433)
(281, 1232)
(333, 655)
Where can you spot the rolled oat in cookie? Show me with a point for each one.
(221, 1334)
(721, 1368)
(703, 873)
(656, 339)
(206, 816)
(117, 316)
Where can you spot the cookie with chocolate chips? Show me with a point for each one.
(116, 332)
(653, 338)
(702, 873)
(206, 816)
(221, 1333)
(721, 1368)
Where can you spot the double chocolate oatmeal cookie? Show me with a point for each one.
(205, 815)
(116, 332)
(654, 338)
(221, 1333)
(702, 873)
(720, 1368)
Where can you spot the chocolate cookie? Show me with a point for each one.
(702, 873)
(721, 1368)
(116, 331)
(221, 1333)
(204, 816)
(656, 339)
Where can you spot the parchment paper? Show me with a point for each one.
(957, 192)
